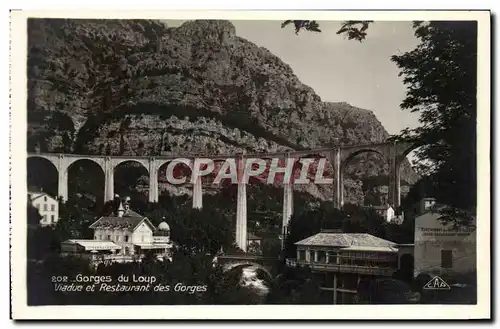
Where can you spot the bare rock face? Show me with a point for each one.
(136, 87)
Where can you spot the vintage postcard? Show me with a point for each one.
(250, 165)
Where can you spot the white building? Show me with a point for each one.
(123, 236)
(443, 248)
(48, 207)
(420, 207)
(386, 211)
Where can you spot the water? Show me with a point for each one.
(250, 279)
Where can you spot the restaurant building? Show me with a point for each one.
(339, 261)
(123, 236)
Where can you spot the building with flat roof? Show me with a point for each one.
(443, 248)
(341, 260)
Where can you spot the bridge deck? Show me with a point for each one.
(290, 153)
(247, 257)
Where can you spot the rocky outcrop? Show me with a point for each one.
(139, 87)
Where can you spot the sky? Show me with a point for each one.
(342, 70)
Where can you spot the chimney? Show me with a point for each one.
(127, 204)
(120, 211)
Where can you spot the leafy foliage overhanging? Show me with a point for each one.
(441, 79)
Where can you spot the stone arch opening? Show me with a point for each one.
(407, 151)
(369, 185)
(181, 171)
(131, 178)
(405, 169)
(42, 174)
(312, 170)
(85, 181)
(243, 265)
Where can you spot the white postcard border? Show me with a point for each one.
(18, 85)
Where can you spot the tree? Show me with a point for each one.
(361, 220)
(354, 30)
(299, 25)
(440, 75)
(205, 230)
(309, 222)
(75, 217)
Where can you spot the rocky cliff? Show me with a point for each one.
(138, 87)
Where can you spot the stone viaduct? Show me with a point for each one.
(339, 157)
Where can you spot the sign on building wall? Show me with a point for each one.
(443, 248)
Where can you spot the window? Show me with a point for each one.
(45, 207)
(446, 258)
(52, 219)
(126, 238)
(302, 255)
(44, 198)
(321, 256)
(332, 257)
(53, 207)
(109, 237)
(44, 218)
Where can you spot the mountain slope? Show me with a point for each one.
(137, 87)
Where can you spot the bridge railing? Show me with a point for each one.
(291, 152)
(246, 257)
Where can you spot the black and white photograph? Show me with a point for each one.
(231, 160)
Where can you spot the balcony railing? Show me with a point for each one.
(116, 258)
(343, 268)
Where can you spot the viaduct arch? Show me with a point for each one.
(393, 153)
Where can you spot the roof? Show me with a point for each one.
(251, 236)
(130, 220)
(36, 195)
(94, 244)
(344, 240)
(164, 226)
(369, 248)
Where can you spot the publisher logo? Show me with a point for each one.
(436, 283)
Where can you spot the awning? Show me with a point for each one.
(90, 245)
(153, 245)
